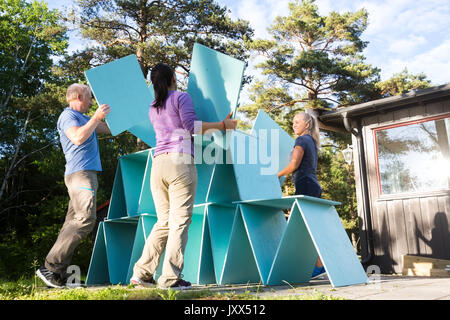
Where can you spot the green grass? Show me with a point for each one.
(34, 289)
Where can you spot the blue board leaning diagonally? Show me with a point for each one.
(273, 140)
(121, 85)
(214, 83)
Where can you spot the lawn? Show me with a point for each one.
(35, 289)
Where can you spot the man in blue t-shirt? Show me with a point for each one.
(78, 137)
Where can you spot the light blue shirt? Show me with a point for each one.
(85, 156)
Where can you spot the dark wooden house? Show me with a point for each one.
(402, 170)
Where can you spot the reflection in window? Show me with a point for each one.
(414, 157)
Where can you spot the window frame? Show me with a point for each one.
(384, 196)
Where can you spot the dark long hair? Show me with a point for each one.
(161, 77)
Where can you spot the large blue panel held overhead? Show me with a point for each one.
(215, 81)
(122, 85)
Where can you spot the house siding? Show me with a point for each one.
(416, 224)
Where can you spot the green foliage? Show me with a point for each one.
(29, 35)
(158, 31)
(312, 61)
(403, 82)
(31, 289)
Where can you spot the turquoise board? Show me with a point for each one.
(251, 175)
(332, 243)
(223, 187)
(144, 131)
(240, 264)
(285, 202)
(146, 203)
(273, 137)
(122, 85)
(220, 221)
(214, 83)
(145, 225)
(204, 174)
(296, 255)
(133, 170)
(119, 238)
(117, 207)
(206, 274)
(265, 227)
(98, 267)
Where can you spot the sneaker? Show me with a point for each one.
(181, 285)
(143, 282)
(318, 272)
(51, 279)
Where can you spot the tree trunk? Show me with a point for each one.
(16, 153)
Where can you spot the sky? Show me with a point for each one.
(401, 33)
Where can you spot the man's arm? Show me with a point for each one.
(78, 135)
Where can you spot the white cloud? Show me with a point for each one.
(408, 45)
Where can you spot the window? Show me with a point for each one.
(414, 156)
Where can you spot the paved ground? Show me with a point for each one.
(386, 287)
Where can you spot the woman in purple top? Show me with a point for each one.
(173, 179)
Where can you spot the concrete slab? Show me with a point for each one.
(386, 287)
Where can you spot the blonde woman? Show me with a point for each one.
(303, 164)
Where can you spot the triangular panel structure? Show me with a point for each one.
(238, 233)
(144, 227)
(264, 226)
(240, 264)
(146, 203)
(133, 170)
(332, 242)
(98, 268)
(117, 207)
(296, 254)
(220, 219)
(206, 274)
(119, 238)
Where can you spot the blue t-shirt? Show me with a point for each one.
(85, 156)
(304, 177)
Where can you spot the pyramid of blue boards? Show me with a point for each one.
(239, 233)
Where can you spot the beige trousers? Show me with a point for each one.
(80, 219)
(173, 181)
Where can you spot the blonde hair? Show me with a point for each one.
(77, 89)
(313, 127)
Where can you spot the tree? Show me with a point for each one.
(30, 35)
(403, 82)
(159, 31)
(313, 61)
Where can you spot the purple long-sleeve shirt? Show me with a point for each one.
(174, 124)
